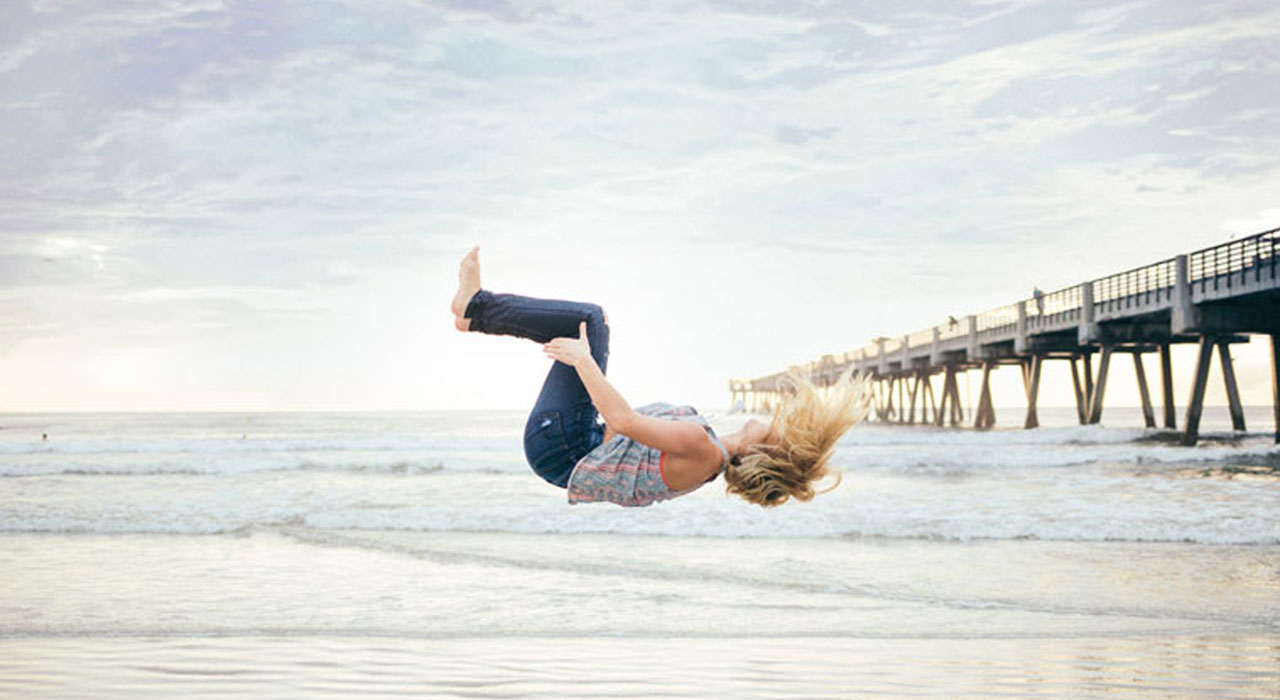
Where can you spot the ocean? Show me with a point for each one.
(389, 554)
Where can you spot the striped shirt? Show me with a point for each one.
(630, 473)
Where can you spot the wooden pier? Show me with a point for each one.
(1213, 297)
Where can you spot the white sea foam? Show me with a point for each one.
(1075, 507)
(195, 464)
(467, 474)
(871, 447)
(949, 458)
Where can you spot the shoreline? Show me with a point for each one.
(1185, 666)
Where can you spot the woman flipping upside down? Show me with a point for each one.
(658, 451)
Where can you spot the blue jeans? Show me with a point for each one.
(563, 426)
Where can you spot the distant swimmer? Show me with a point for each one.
(658, 451)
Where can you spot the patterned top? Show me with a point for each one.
(630, 473)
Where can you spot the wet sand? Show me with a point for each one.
(280, 612)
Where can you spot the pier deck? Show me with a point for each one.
(1212, 297)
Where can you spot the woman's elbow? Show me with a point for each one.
(622, 421)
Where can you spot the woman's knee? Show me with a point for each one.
(595, 315)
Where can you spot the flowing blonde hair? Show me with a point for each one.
(770, 474)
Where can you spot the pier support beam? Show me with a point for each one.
(985, 416)
(1100, 388)
(901, 399)
(940, 413)
(1196, 402)
(933, 400)
(1275, 381)
(957, 408)
(921, 392)
(1148, 415)
(1087, 358)
(933, 397)
(915, 392)
(1166, 386)
(1233, 391)
(909, 400)
(950, 404)
(1075, 382)
(1032, 380)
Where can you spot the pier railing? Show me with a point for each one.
(1149, 285)
(920, 338)
(1059, 306)
(999, 319)
(1213, 267)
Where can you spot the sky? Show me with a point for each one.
(217, 205)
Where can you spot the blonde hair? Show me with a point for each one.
(770, 474)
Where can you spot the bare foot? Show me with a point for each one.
(468, 285)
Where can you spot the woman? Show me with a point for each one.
(657, 451)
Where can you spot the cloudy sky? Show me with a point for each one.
(260, 205)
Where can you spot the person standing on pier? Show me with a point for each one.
(658, 451)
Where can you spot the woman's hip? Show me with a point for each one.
(555, 439)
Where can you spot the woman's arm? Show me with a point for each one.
(674, 437)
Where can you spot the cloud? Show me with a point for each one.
(225, 171)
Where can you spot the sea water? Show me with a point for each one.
(330, 555)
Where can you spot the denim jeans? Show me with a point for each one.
(563, 426)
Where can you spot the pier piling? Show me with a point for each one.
(1148, 415)
(985, 416)
(1196, 401)
(1099, 389)
(1087, 362)
(1032, 379)
(957, 410)
(1079, 392)
(1233, 392)
(901, 399)
(915, 391)
(1275, 381)
(1166, 387)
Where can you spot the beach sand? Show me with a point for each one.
(286, 612)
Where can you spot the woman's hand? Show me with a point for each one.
(570, 351)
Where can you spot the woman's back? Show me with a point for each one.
(630, 473)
